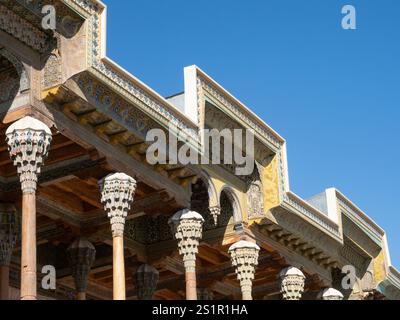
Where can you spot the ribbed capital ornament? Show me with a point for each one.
(187, 227)
(330, 294)
(244, 255)
(215, 213)
(9, 228)
(146, 281)
(81, 255)
(292, 283)
(117, 193)
(28, 143)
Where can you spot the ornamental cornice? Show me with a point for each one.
(311, 234)
(138, 96)
(241, 113)
(356, 234)
(300, 207)
(394, 277)
(295, 204)
(14, 25)
(120, 80)
(360, 219)
(352, 255)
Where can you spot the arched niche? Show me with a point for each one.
(211, 189)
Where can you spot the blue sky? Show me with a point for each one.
(333, 94)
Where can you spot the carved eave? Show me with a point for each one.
(208, 90)
(68, 22)
(370, 235)
(361, 239)
(390, 287)
(298, 240)
(119, 127)
(352, 254)
(216, 118)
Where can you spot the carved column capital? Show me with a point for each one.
(117, 192)
(215, 213)
(187, 227)
(244, 255)
(81, 255)
(28, 143)
(330, 294)
(146, 281)
(8, 232)
(292, 283)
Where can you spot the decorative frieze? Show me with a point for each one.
(24, 31)
(148, 230)
(28, 142)
(117, 196)
(52, 72)
(238, 112)
(244, 257)
(292, 283)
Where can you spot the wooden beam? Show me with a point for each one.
(83, 191)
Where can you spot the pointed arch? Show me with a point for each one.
(234, 200)
(212, 190)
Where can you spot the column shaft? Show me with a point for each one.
(28, 247)
(118, 268)
(191, 289)
(4, 282)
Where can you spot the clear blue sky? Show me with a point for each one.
(334, 95)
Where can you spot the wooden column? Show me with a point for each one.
(28, 141)
(119, 292)
(187, 227)
(117, 192)
(191, 286)
(28, 247)
(8, 238)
